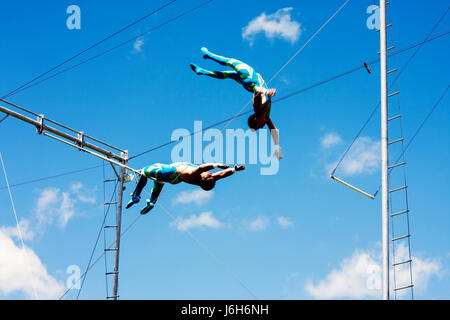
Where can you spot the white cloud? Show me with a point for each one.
(330, 140)
(259, 224)
(276, 25)
(359, 276)
(23, 271)
(197, 196)
(54, 204)
(25, 230)
(285, 222)
(137, 45)
(363, 157)
(204, 220)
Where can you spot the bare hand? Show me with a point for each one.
(239, 168)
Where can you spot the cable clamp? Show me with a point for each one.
(40, 125)
(80, 141)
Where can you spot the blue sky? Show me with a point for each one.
(293, 235)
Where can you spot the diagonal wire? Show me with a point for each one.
(113, 48)
(50, 177)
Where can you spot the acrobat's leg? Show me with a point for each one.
(243, 69)
(156, 190)
(136, 195)
(215, 74)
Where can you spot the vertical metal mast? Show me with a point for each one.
(384, 155)
(115, 294)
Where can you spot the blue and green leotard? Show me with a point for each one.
(242, 73)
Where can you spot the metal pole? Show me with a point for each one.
(115, 294)
(384, 155)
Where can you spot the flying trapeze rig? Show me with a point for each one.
(120, 158)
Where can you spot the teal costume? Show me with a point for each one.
(160, 174)
(243, 73)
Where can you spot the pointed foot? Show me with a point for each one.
(148, 207)
(133, 201)
(205, 52)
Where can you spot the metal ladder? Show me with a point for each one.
(398, 196)
(106, 207)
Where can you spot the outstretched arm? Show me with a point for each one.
(209, 166)
(276, 138)
(228, 172)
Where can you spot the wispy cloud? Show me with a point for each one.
(362, 158)
(285, 222)
(197, 196)
(330, 139)
(359, 276)
(259, 224)
(53, 204)
(275, 25)
(137, 45)
(202, 221)
(21, 268)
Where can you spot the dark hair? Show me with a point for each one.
(208, 184)
(252, 122)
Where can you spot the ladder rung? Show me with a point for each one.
(112, 297)
(393, 70)
(387, 26)
(109, 180)
(405, 287)
(398, 213)
(393, 94)
(112, 249)
(395, 141)
(113, 272)
(395, 117)
(397, 165)
(401, 188)
(110, 227)
(403, 262)
(109, 203)
(400, 238)
(387, 49)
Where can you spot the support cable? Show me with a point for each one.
(111, 49)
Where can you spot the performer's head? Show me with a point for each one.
(256, 121)
(207, 181)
